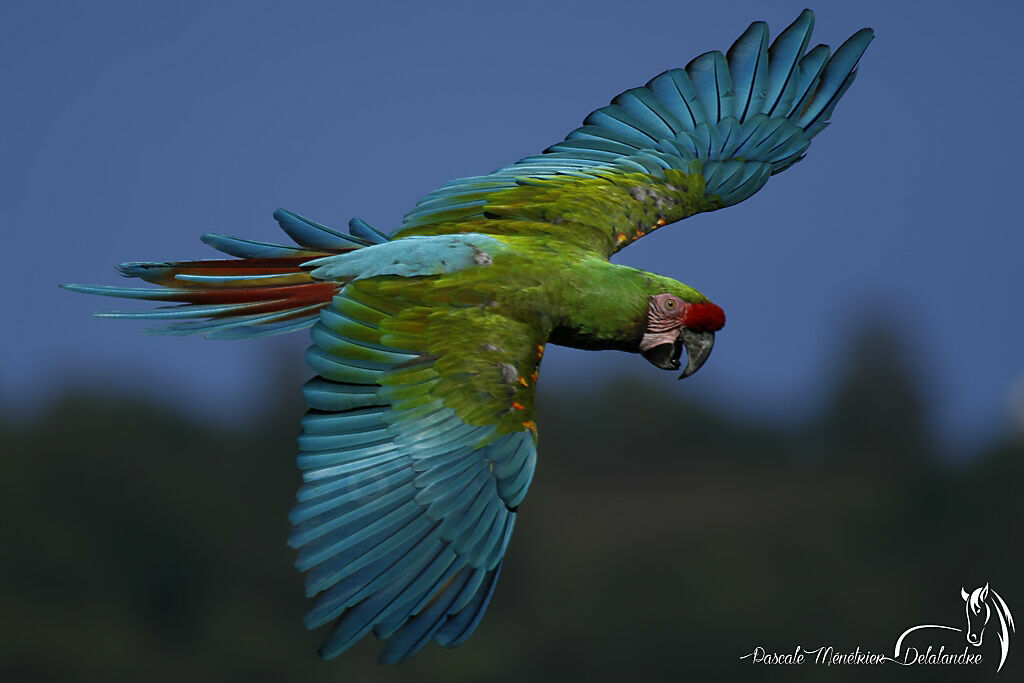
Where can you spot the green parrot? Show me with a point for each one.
(421, 438)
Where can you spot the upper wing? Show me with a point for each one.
(418, 446)
(691, 140)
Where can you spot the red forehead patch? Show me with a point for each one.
(704, 317)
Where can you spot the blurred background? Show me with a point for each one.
(850, 456)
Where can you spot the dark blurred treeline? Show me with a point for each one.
(660, 541)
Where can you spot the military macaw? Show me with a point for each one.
(420, 440)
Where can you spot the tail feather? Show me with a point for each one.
(240, 248)
(359, 228)
(310, 234)
(236, 326)
(225, 272)
(267, 290)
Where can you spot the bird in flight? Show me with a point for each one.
(421, 438)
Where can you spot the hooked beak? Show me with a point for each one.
(698, 348)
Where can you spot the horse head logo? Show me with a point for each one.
(978, 613)
(980, 604)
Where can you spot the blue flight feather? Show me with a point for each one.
(444, 565)
(748, 65)
(418, 631)
(709, 74)
(811, 66)
(837, 76)
(784, 64)
(350, 421)
(460, 626)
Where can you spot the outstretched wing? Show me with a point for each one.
(691, 140)
(419, 445)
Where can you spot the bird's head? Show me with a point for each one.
(680, 320)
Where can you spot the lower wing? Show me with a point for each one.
(418, 447)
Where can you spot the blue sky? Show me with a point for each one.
(131, 128)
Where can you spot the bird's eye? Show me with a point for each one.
(670, 304)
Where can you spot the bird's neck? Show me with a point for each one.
(601, 306)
